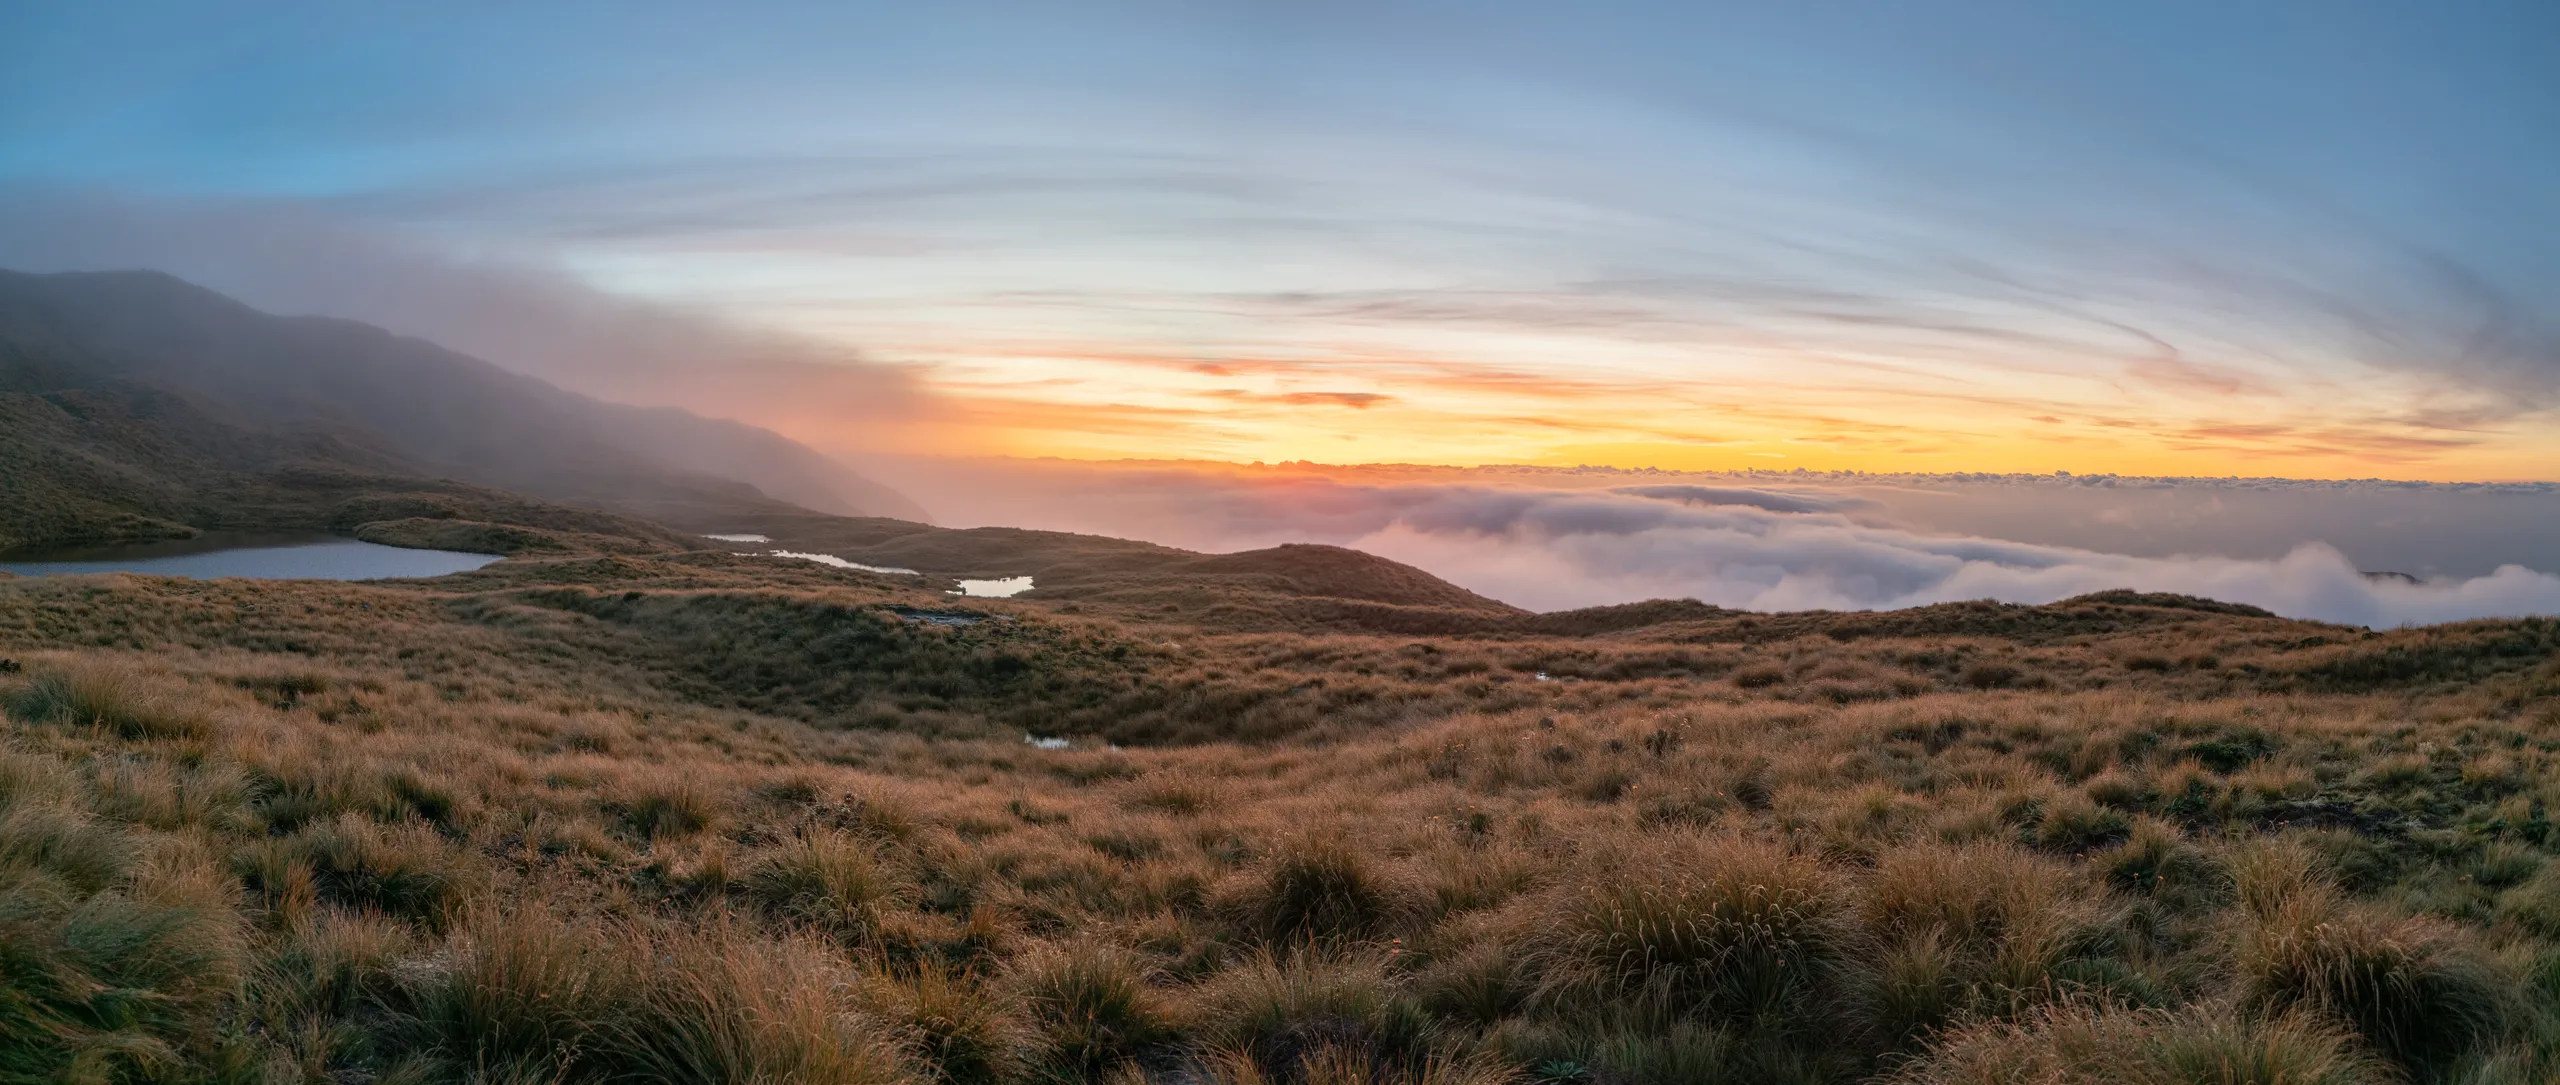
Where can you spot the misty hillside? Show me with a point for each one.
(131, 398)
(128, 462)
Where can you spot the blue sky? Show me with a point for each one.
(2311, 238)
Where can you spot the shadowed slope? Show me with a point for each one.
(130, 462)
(262, 393)
(1283, 587)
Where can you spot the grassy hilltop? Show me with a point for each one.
(702, 816)
(624, 809)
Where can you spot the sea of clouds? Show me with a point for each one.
(1564, 541)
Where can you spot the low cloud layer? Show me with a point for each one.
(1759, 547)
(1552, 550)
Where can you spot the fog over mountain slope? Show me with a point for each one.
(205, 382)
(523, 313)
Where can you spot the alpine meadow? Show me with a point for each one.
(696, 815)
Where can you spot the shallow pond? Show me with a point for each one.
(840, 563)
(257, 557)
(994, 589)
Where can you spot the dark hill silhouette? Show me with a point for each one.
(1337, 573)
(123, 391)
(1290, 586)
(129, 462)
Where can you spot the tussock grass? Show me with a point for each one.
(2092, 1046)
(961, 1029)
(424, 833)
(1725, 928)
(1314, 1011)
(519, 994)
(828, 878)
(102, 696)
(668, 805)
(1319, 886)
(1480, 984)
(112, 964)
(403, 869)
(1976, 932)
(2416, 989)
(719, 1007)
(1092, 1007)
(1327, 1065)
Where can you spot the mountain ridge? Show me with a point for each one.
(142, 385)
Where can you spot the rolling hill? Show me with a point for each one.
(139, 406)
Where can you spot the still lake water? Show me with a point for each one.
(260, 557)
(994, 589)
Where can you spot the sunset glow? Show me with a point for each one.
(2000, 237)
(1827, 414)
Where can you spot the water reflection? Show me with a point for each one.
(840, 563)
(994, 589)
(257, 557)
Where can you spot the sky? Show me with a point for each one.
(2317, 239)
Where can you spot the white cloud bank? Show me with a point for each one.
(1751, 546)
(1549, 550)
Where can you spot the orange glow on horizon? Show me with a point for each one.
(1096, 405)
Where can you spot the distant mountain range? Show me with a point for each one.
(134, 405)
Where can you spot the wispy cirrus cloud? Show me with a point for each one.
(1997, 235)
(1358, 401)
